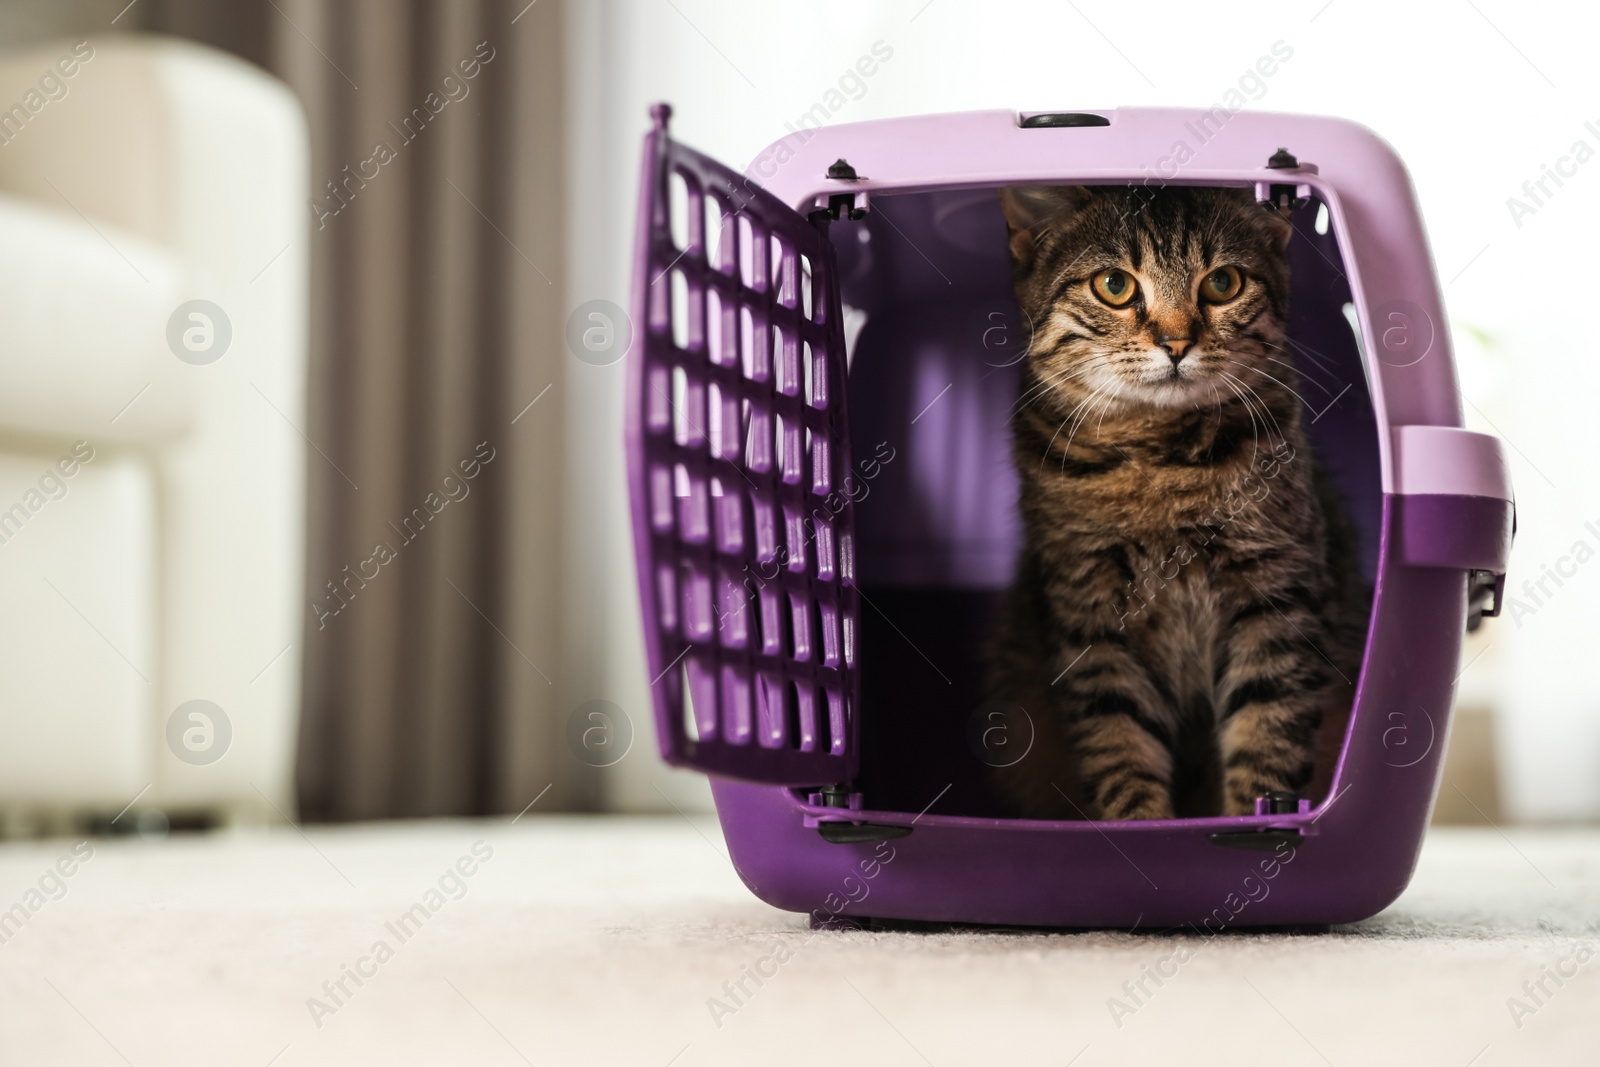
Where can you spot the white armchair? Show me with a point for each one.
(162, 561)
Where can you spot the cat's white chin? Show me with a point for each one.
(1177, 389)
(1179, 396)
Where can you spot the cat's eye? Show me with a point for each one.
(1116, 287)
(1221, 285)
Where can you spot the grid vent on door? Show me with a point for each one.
(741, 477)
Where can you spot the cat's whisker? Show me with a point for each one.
(1255, 426)
(1032, 394)
(1335, 372)
(1266, 424)
(1322, 359)
(1312, 356)
(1302, 373)
(1253, 400)
(1045, 386)
(1266, 409)
(1051, 443)
(1218, 398)
(1067, 448)
(1304, 362)
(1280, 381)
(1103, 404)
(1112, 399)
(1080, 413)
(1045, 378)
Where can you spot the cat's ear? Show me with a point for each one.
(1032, 209)
(1281, 225)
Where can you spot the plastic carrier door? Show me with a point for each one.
(738, 463)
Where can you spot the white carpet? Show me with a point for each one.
(601, 940)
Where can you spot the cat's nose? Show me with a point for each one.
(1176, 347)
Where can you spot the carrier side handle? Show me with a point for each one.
(1454, 507)
(1449, 461)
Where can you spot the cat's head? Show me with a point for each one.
(1170, 297)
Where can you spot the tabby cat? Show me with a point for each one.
(1187, 613)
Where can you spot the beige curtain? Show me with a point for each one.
(435, 220)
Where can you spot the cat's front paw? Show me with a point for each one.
(1238, 805)
(1149, 803)
(1241, 794)
(1153, 808)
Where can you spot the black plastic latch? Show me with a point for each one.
(854, 833)
(1256, 840)
(1486, 593)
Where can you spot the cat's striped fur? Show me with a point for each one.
(1187, 614)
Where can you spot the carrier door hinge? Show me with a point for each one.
(838, 796)
(1277, 802)
(841, 831)
(852, 206)
(1284, 197)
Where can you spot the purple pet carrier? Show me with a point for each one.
(824, 513)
